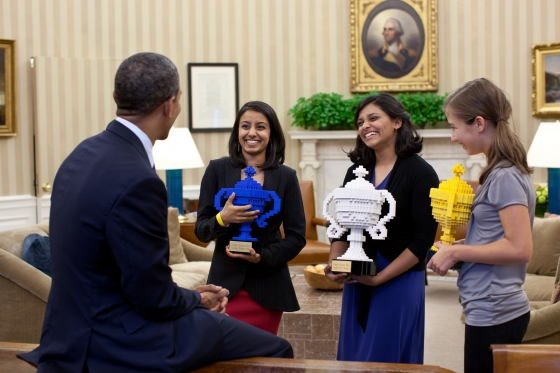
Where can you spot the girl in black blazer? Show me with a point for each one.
(259, 283)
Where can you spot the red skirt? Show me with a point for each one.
(243, 307)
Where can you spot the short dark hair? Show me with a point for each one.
(143, 82)
(408, 141)
(275, 151)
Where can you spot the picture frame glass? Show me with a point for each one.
(213, 97)
(8, 123)
(393, 45)
(552, 78)
(400, 24)
(2, 87)
(546, 79)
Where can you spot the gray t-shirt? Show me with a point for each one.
(493, 294)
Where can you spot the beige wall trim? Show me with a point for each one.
(17, 211)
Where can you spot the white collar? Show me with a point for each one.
(144, 139)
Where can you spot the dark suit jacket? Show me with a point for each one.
(113, 305)
(268, 282)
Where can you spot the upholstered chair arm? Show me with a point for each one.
(195, 253)
(544, 322)
(319, 221)
(25, 275)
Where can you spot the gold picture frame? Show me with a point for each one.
(8, 88)
(373, 66)
(546, 79)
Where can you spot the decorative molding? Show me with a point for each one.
(191, 192)
(17, 211)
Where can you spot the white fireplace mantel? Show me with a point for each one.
(324, 160)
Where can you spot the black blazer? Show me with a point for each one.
(113, 305)
(268, 282)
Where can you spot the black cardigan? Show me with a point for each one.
(268, 282)
(413, 226)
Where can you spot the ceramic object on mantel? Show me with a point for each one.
(320, 281)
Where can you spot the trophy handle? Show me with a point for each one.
(380, 226)
(275, 209)
(333, 230)
(218, 199)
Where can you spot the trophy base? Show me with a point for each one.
(431, 252)
(243, 247)
(355, 267)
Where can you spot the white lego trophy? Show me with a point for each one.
(358, 208)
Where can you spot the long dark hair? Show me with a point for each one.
(481, 97)
(275, 151)
(408, 141)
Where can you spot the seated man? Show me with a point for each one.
(113, 306)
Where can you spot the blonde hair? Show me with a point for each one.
(481, 97)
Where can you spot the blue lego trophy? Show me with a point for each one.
(248, 192)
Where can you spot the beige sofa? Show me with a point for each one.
(24, 290)
(543, 274)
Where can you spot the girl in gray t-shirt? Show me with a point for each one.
(498, 244)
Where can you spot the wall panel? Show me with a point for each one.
(285, 49)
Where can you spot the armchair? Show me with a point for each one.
(314, 251)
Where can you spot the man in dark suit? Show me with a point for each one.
(113, 306)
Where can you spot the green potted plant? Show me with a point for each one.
(424, 107)
(326, 111)
(322, 111)
(541, 192)
(330, 111)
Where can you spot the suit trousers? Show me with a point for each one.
(241, 340)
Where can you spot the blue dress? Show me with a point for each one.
(395, 325)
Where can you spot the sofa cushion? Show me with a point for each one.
(37, 252)
(12, 240)
(176, 254)
(546, 247)
(190, 275)
(538, 287)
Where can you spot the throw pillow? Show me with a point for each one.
(36, 251)
(176, 254)
(546, 247)
(556, 295)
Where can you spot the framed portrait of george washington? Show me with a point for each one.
(546, 79)
(393, 45)
(7, 88)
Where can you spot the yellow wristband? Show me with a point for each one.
(219, 219)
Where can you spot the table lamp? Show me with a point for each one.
(174, 154)
(545, 152)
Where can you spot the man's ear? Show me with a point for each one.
(480, 123)
(167, 105)
(115, 97)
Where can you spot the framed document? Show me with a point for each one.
(213, 96)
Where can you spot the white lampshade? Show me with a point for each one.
(545, 148)
(177, 152)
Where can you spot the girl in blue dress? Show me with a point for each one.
(382, 317)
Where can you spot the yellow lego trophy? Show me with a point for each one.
(451, 207)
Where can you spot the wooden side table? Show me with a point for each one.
(187, 233)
